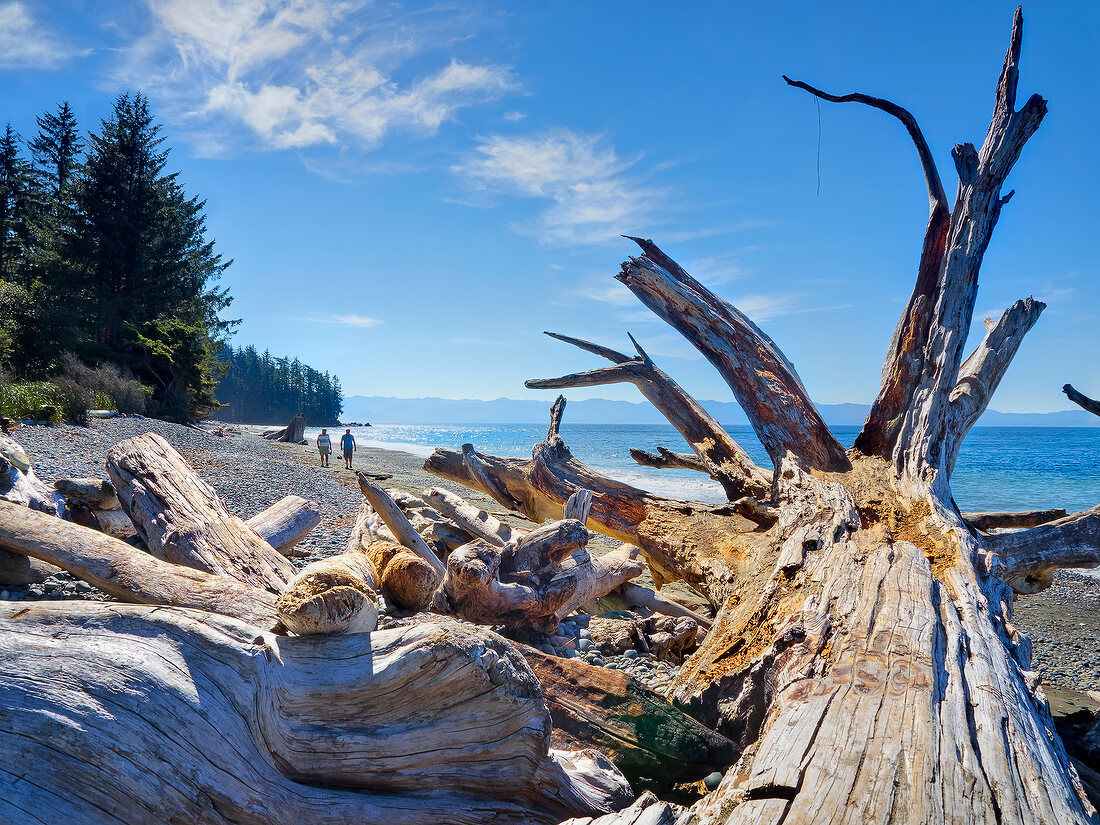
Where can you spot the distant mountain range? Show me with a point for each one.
(384, 410)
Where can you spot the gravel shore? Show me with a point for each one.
(250, 474)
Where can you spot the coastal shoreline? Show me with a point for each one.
(249, 473)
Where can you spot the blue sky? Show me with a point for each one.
(412, 193)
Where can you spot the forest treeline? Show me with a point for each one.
(264, 390)
(104, 257)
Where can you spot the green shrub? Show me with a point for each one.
(26, 400)
(108, 386)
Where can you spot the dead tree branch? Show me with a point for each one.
(721, 456)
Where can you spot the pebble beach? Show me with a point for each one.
(250, 474)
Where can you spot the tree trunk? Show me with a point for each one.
(182, 520)
(425, 723)
(863, 658)
(292, 433)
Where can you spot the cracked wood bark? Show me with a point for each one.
(722, 457)
(181, 519)
(126, 573)
(863, 657)
(286, 522)
(425, 723)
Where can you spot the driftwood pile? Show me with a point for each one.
(266, 687)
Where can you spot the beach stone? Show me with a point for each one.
(584, 644)
(713, 780)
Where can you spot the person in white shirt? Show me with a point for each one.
(324, 447)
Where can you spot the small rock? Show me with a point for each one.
(584, 644)
(630, 654)
(4, 595)
(712, 780)
(597, 661)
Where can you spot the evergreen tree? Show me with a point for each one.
(145, 266)
(17, 199)
(56, 153)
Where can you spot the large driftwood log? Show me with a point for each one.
(431, 722)
(653, 743)
(286, 522)
(126, 573)
(334, 595)
(182, 520)
(863, 657)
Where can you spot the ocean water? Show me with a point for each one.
(1000, 468)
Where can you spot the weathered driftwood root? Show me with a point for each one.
(535, 582)
(863, 657)
(653, 743)
(181, 519)
(1081, 400)
(646, 810)
(715, 452)
(126, 573)
(427, 723)
(286, 522)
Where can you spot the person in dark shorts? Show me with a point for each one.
(324, 446)
(347, 446)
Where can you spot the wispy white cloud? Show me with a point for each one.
(344, 320)
(25, 43)
(514, 117)
(301, 73)
(357, 321)
(593, 197)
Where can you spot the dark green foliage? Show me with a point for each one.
(261, 389)
(105, 256)
(17, 207)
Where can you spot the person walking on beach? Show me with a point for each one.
(347, 444)
(324, 446)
